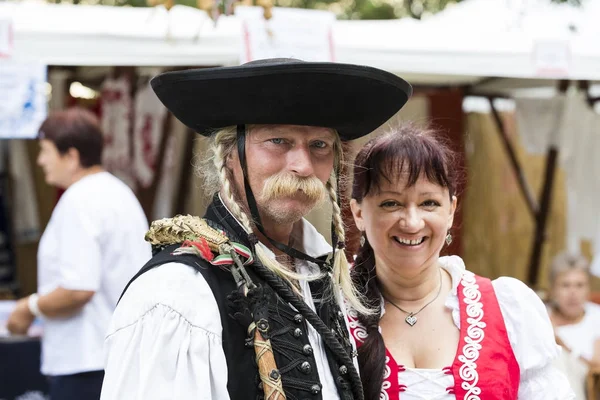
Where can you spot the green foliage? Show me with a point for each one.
(372, 9)
(344, 9)
(572, 2)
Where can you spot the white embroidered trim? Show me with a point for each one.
(358, 331)
(475, 334)
(383, 395)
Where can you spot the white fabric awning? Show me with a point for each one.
(472, 40)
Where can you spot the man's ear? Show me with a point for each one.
(232, 159)
(357, 214)
(73, 155)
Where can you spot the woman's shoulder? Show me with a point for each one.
(513, 285)
(527, 323)
(516, 298)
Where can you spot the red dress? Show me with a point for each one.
(485, 366)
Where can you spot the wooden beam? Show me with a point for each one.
(542, 217)
(523, 185)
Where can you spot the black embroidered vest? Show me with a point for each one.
(288, 328)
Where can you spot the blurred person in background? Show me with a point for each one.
(92, 245)
(437, 331)
(576, 320)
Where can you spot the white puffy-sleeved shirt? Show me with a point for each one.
(94, 241)
(580, 337)
(165, 338)
(530, 334)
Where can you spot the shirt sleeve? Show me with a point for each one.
(165, 340)
(532, 338)
(79, 249)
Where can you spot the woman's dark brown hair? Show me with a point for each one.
(75, 128)
(416, 152)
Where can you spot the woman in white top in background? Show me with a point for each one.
(438, 331)
(576, 320)
(91, 247)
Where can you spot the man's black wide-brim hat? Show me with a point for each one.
(355, 100)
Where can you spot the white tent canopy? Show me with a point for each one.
(82, 35)
(472, 40)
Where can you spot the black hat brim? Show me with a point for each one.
(354, 100)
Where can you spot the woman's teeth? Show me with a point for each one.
(410, 242)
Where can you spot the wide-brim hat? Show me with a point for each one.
(353, 99)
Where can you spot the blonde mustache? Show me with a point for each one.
(286, 185)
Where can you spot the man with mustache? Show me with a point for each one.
(245, 303)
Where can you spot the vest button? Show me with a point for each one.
(343, 370)
(260, 386)
(297, 332)
(315, 389)
(307, 349)
(298, 318)
(305, 367)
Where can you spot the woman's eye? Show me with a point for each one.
(431, 203)
(389, 203)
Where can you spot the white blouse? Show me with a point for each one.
(165, 341)
(581, 337)
(530, 334)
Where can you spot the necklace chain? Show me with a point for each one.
(411, 318)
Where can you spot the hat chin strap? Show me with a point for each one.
(290, 251)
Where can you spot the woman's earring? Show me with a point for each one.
(448, 239)
(362, 239)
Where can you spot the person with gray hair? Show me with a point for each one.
(576, 320)
(246, 303)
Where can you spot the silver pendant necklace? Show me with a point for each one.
(411, 318)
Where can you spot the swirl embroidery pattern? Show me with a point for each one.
(358, 331)
(386, 380)
(475, 334)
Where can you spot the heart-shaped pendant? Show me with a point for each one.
(410, 319)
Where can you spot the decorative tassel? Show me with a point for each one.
(202, 246)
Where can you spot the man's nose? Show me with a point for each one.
(300, 161)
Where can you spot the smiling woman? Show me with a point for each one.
(497, 340)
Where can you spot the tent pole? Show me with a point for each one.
(546, 201)
(542, 217)
(523, 185)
